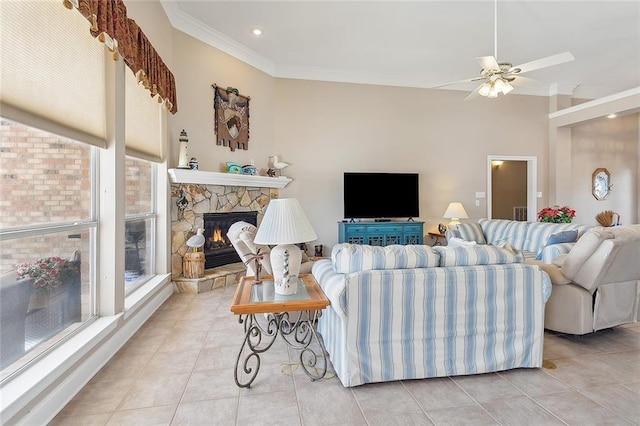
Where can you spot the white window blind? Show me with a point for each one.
(46, 81)
(143, 136)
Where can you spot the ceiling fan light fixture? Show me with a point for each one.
(507, 88)
(498, 85)
(493, 93)
(485, 89)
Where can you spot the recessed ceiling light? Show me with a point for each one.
(257, 31)
(612, 115)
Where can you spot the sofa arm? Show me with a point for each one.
(333, 284)
(550, 252)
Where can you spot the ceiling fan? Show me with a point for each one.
(497, 77)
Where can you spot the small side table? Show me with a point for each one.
(436, 237)
(292, 317)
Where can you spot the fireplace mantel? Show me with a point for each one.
(228, 179)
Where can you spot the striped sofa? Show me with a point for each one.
(409, 312)
(530, 237)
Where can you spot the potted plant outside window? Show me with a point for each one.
(55, 302)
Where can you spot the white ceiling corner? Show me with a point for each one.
(424, 43)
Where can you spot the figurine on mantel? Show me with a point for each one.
(183, 159)
(277, 166)
(193, 163)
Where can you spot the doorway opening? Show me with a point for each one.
(511, 187)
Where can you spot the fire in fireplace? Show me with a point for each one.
(218, 250)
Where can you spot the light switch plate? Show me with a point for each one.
(539, 194)
(481, 195)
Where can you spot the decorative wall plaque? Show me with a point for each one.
(232, 117)
(600, 183)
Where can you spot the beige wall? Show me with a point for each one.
(196, 67)
(323, 129)
(610, 143)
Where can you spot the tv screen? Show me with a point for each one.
(380, 195)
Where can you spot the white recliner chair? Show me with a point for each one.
(241, 235)
(597, 284)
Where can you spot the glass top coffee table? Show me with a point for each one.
(266, 314)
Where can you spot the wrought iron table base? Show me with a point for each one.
(297, 334)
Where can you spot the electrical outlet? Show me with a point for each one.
(477, 203)
(539, 194)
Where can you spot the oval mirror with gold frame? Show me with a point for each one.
(600, 183)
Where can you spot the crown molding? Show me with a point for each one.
(187, 24)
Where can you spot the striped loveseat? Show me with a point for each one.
(534, 239)
(409, 312)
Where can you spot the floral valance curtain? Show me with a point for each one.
(110, 24)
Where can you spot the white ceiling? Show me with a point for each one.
(425, 43)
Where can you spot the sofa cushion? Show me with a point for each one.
(538, 233)
(511, 249)
(499, 231)
(562, 237)
(457, 242)
(348, 258)
(477, 255)
(471, 232)
(550, 253)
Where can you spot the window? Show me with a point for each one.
(55, 153)
(140, 222)
(47, 233)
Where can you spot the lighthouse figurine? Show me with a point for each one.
(183, 160)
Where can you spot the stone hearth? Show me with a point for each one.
(222, 276)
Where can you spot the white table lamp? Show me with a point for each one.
(286, 225)
(455, 212)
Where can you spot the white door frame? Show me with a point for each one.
(532, 179)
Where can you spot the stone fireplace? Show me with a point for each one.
(195, 194)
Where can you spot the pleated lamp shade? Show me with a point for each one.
(455, 212)
(285, 224)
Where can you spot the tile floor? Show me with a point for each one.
(178, 370)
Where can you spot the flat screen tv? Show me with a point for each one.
(381, 195)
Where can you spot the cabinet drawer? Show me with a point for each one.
(356, 230)
(384, 229)
(413, 229)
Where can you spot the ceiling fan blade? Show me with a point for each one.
(468, 80)
(521, 81)
(473, 95)
(488, 63)
(549, 61)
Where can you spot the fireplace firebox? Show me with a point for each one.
(218, 250)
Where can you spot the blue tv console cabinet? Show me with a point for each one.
(380, 233)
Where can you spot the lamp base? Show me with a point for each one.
(286, 286)
(454, 222)
(285, 263)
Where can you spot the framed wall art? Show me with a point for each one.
(600, 183)
(231, 117)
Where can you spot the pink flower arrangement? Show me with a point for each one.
(556, 214)
(47, 272)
